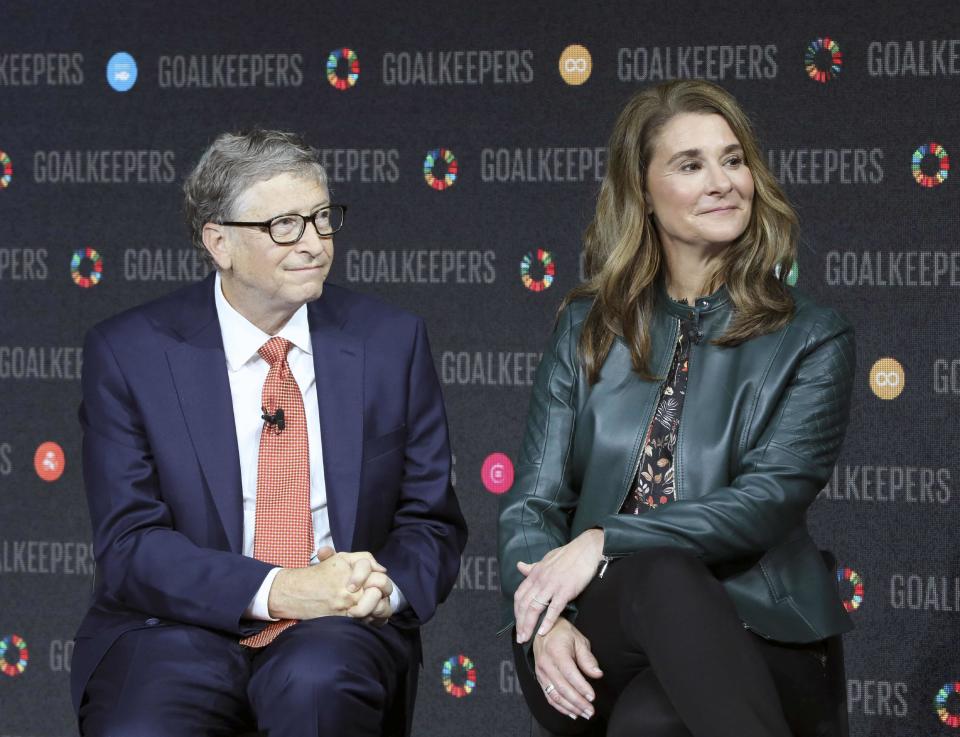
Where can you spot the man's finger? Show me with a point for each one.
(325, 552)
(379, 581)
(366, 604)
(364, 555)
(382, 613)
(358, 575)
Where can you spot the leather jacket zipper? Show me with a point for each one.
(694, 337)
(648, 413)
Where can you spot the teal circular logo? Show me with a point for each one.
(121, 71)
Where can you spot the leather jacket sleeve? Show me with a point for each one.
(779, 477)
(535, 515)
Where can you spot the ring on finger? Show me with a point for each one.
(549, 689)
(537, 601)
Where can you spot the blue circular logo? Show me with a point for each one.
(121, 71)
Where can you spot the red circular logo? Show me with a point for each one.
(49, 461)
(497, 473)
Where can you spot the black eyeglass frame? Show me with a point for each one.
(265, 224)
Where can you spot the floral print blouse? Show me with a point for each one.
(654, 482)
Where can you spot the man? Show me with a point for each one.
(236, 434)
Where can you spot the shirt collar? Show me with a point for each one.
(242, 339)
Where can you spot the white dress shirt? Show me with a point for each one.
(247, 372)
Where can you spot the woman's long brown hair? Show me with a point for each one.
(622, 252)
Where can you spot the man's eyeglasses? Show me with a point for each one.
(287, 229)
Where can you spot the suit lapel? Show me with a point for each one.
(338, 362)
(199, 370)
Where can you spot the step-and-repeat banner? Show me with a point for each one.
(469, 141)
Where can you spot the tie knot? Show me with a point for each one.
(275, 350)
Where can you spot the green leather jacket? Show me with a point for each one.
(761, 430)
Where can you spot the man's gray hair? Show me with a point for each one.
(234, 162)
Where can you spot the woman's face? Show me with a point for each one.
(698, 186)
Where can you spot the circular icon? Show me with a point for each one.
(823, 60)
(459, 668)
(14, 655)
(497, 473)
(6, 170)
(887, 378)
(121, 71)
(943, 164)
(948, 718)
(853, 578)
(575, 64)
(49, 461)
(353, 65)
(545, 260)
(86, 267)
(430, 163)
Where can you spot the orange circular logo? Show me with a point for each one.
(887, 378)
(49, 461)
(575, 64)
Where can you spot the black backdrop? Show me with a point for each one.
(845, 99)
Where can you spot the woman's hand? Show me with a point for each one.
(555, 581)
(562, 659)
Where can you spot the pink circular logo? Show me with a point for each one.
(497, 473)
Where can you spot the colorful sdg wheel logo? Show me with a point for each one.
(545, 260)
(937, 156)
(823, 60)
(14, 655)
(86, 267)
(443, 159)
(459, 676)
(948, 717)
(853, 578)
(6, 170)
(333, 66)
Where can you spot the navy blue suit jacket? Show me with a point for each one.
(162, 472)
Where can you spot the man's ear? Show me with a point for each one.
(215, 241)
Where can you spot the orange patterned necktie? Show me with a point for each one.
(283, 535)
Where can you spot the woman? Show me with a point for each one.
(655, 536)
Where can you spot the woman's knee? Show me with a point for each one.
(644, 708)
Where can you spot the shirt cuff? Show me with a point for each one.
(397, 600)
(259, 607)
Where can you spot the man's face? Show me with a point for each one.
(264, 281)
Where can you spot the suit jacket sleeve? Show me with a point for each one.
(422, 550)
(143, 562)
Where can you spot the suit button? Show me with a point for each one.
(152, 621)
